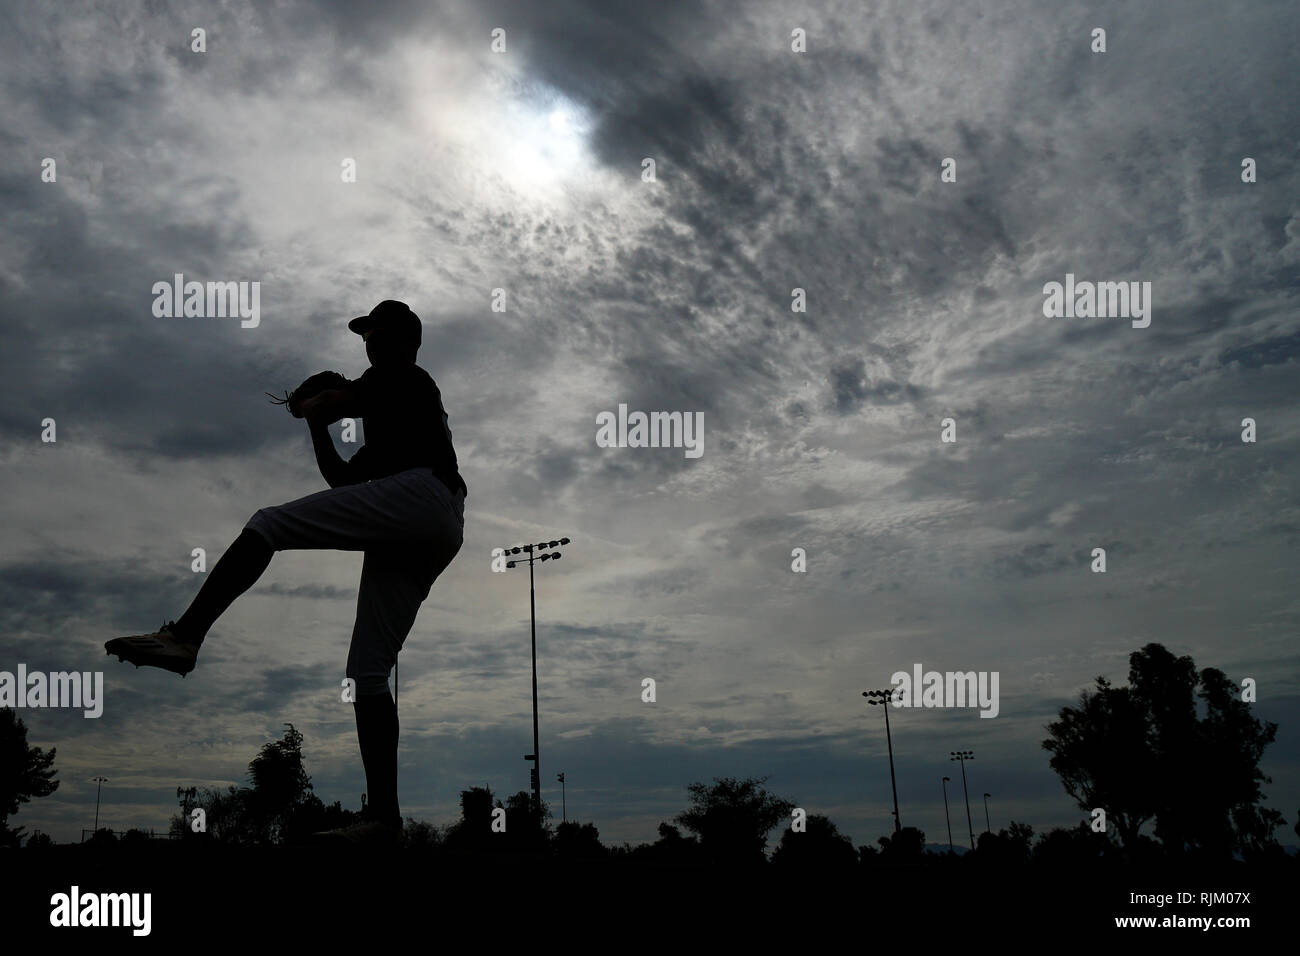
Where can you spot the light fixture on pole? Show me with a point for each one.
(542, 551)
(963, 756)
(881, 697)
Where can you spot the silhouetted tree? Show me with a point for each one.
(421, 836)
(281, 787)
(821, 846)
(1073, 846)
(25, 772)
(525, 830)
(1230, 745)
(1021, 837)
(1010, 846)
(733, 818)
(226, 815)
(905, 846)
(1100, 753)
(474, 828)
(476, 805)
(670, 834)
(332, 817)
(278, 807)
(1141, 753)
(574, 841)
(670, 849)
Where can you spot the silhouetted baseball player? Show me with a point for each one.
(400, 499)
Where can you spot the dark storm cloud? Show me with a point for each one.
(1282, 349)
(163, 389)
(38, 596)
(852, 387)
(316, 592)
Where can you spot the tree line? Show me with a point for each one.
(1172, 759)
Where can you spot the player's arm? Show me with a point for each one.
(329, 406)
(333, 468)
(323, 410)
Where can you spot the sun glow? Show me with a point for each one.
(545, 143)
(503, 136)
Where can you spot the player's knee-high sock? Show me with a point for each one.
(377, 734)
(236, 572)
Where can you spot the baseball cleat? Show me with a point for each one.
(367, 833)
(162, 649)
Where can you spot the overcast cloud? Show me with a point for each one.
(774, 170)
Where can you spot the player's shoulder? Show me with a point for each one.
(395, 373)
(424, 378)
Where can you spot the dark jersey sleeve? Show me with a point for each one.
(372, 391)
(358, 467)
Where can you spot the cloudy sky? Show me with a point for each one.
(774, 170)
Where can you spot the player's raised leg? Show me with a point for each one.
(175, 646)
(346, 518)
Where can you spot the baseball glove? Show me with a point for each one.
(311, 386)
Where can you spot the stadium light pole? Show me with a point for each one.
(100, 781)
(542, 551)
(881, 697)
(564, 805)
(988, 828)
(963, 756)
(947, 818)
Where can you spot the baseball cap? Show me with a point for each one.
(392, 315)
